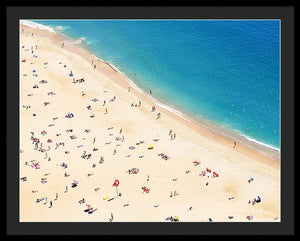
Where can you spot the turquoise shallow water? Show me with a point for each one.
(224, 72)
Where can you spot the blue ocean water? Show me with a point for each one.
(226, 72)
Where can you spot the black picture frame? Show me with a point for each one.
(15, 13)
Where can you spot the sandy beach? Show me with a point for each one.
(83, 122)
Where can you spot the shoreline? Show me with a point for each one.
(264, 151)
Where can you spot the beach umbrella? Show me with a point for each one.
(76, 182)
(116, 184)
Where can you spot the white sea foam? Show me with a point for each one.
(36, 25)
(60, 28)
(171, 109)
(77, 41)
(260, 143)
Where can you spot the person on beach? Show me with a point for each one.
(255, 200)
(234, 144)
(89, 207)
(92, 211)
(56, 196)
(63, 44)
(111, 217)
(24, 179)
(101, 160)
(66, 189)
(250, 179)
(128, 89)
(150, 92)
(50, 204)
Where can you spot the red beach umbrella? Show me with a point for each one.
(208, 170)
(116, 184)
